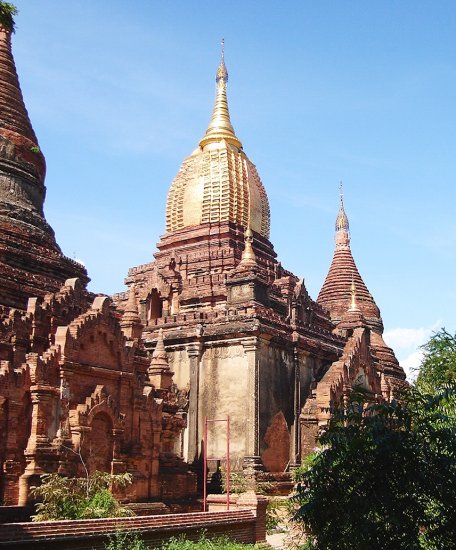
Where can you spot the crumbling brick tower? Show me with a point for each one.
(31, 262)
(77, 388)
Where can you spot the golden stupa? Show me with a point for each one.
(218, 182)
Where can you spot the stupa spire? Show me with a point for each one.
(342, 225)
(160, 375)
(248, 255)
(131, 309)
(15, 126)
(13, 114)
(220, 126)
(159, 359)
(131, 322)
(218, 183)
(343, 284)
(32, 263)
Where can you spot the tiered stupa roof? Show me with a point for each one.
(346, 297)
(32, 263)
(336, 293)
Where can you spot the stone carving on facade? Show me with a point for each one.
(83, 389)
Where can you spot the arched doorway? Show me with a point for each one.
(155, 306)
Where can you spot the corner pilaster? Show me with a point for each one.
(252, 447)
(194, 354)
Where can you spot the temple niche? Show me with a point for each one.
(214, 326)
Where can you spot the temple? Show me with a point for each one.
(213, 327)
(242, 333)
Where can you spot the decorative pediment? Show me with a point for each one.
(95, 338)
(355, 368)
(99, 401)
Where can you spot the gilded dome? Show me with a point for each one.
(217, 182)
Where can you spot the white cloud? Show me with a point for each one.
(406, 342)
(411, 364)
(406, 338)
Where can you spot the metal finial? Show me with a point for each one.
(220, 127)
(222, 73)
(342, 220)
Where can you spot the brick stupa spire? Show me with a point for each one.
(31, 262)
(337, 296)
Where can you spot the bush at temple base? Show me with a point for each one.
(385, 477)
(129, 540)
(79, 498)
(204, 543)
(125, 540)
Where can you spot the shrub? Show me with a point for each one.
(275, 512)
(79, 498)
(125, 540)
(384, 478)
(204, 543)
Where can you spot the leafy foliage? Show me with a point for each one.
(238, 481)
(129, 540)
(276, 511)
(204, 543)
(384, 478)
(7, 13)
(125, 540)
(439, 363)
(79, 498)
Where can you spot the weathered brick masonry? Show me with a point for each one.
(242, 524)
(213, 326)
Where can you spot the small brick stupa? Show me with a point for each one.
(336, 293)
(31, 262)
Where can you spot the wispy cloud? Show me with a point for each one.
(411, 364)
(405, 338)
(406, 342)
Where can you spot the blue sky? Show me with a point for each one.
(119, 93)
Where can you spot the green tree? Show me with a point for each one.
(385, 477)
(79, 498)
(438, 367)
(7, 13)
